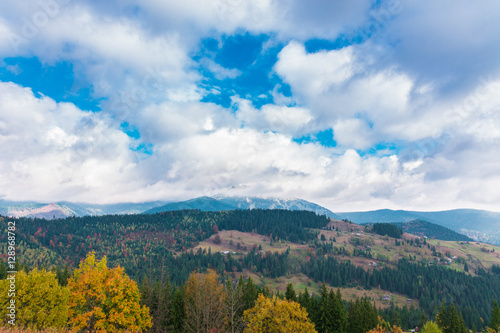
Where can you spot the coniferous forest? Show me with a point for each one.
(158, 254)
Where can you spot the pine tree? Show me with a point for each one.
(290, 293)
(353, 318)
(339, 320)
(305, 301)
(395, 319)
(177, 309)
(449, 321)
(361, 316)
(249, 294)
(325, 315)
(495, 317)
(423, 319)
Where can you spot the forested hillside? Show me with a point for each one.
(133, 241)
(431, 230)
(276, 249)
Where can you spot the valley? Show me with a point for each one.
(278, 248)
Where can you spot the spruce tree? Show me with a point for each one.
(304, 300)
(395, 318)
(423, 320)
(353, 318)
(450, 321)
(178, 311)
(495, 316)
(325, 314)
(249, 294)
(339, 320)
(290, 293)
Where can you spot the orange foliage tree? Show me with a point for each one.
(105, 300)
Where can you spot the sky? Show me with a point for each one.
(354, 105)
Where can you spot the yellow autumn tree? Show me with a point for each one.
(40, 302)
(105, 300)
(205, 303)
(274, 315)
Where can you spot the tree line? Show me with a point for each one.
(132, 240)
(98, 298)
(388, 229)
(153, 248)
(429, 284)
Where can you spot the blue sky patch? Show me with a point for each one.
(325, 138)
(316, 45)
(144, 148)
(246, 54)
(382, 149)
(55, 81)
(240, 51)
(131, 131)
(137, 146)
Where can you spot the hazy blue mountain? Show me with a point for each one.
(230, 203)
(481, 220)
(65, 209)
(118, 209)
(10, 208)
(381, 215)
(201, 203)
(478, 224)
(431, 230)
(34, 209)
(276, 203)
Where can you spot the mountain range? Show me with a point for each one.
(478, 224)
(231, 203)
(65, 209)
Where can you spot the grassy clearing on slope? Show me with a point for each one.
(385, 249)
(475, 253)
(231, 238)
(377, 295)
(300, 282)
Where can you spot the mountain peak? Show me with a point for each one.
(221, 202)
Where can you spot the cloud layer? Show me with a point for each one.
(409, 92)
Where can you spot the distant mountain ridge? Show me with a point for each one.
(480, 225)
(205, 204)
(65, 209)
(34, 209)
(477, 224)
(221, 203)
(432, 230)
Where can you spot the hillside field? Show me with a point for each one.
(384, 250)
